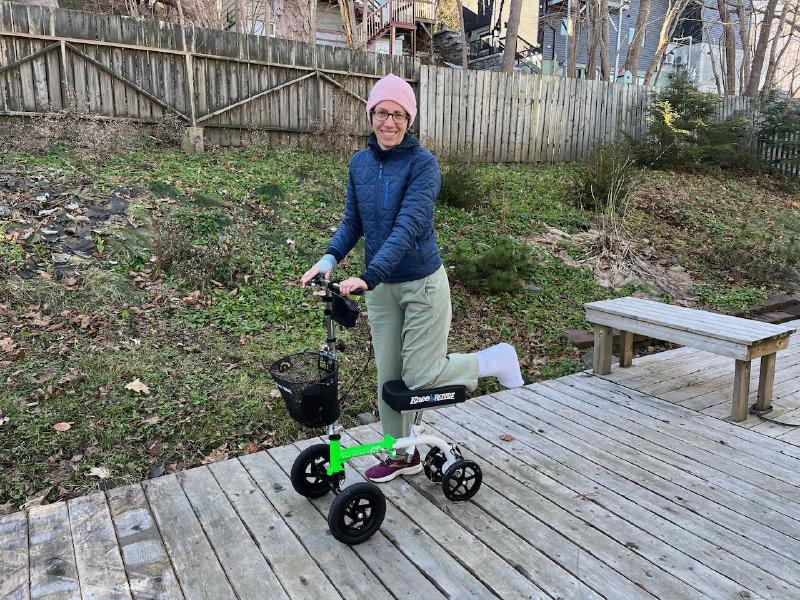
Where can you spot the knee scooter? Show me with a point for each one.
(308, 382)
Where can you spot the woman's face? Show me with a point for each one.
(388, 131)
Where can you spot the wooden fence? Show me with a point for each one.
(243, 88)
(511, 117)
(233, 85)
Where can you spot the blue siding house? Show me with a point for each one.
(695, 41)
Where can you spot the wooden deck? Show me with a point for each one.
(622, 487)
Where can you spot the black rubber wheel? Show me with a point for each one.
(357, 513)
(462, 480)
(309, 476)
(433, 463)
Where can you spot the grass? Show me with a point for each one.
(200, 298)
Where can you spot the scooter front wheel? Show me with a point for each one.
(309, 471)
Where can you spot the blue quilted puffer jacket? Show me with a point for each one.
(390, 199)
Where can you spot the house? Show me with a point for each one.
(385, 26)
(485, 25)
(694, 43)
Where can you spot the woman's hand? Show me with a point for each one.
(310, 274)
(351, 284)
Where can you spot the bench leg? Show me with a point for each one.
(601, 360)
(766, 380)
(741, 390)
(625, 348)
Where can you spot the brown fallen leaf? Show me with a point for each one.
(216, 455)
(151, 420)
(100, 472)
(137, 386)
(506, 437)
(250, 447)
(63, 426)
(274, 394)
(7, 345)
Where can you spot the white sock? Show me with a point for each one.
(500, 361)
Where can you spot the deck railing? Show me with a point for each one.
(393, 11)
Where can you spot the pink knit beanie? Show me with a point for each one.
(396, 89)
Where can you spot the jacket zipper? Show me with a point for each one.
(386, 194)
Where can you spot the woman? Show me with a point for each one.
(391, 189)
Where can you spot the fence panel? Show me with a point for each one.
(242, 87)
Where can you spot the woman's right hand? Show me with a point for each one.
(310, 274)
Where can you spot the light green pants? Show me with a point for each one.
(410, 322)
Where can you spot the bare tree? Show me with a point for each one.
(775, 55)
(347, 11)
(754, 81)
(602, 29)
(592, 38)
(293, 19)
(729, 71)
(510, 52)
(744, 19)
(674, 10)
(714, 64)
(463, 32)
(632, 59)
(572, 39)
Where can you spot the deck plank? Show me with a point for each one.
(246, 568)
(701, 495)
(54, 574)
(294, 567)
(699, 563)
(588, 525)
(654, 487)
(100, 568)
(199, 573)
(691, 421)
(732, 457)
(147, 564)
(14, 576)
(357, 580)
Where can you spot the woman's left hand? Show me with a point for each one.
(351, 284)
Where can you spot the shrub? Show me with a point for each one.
(685, 131)
(608, 178)
(779, 124)
(461, 186)
(497, 269)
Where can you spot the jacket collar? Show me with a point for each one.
(409, 143)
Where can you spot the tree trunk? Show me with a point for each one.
(592, 38)
(465, 44)
(572, 42)
(774, 55)
(674, 9)
(293, 20)
(240, 16)
(754, 81)
(602, 18)
(744, 36)
(632, 60)
(347, 10)
(510, 52)
(730, 48)
(714, 65)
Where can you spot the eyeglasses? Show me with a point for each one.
(381, 115)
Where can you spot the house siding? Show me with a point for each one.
(554, 45)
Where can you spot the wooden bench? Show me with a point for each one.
(740, 339)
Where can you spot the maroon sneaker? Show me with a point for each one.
(392, 467)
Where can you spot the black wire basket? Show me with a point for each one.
(309, 384)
